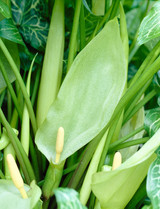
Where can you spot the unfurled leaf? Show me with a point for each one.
(152, 121)
(68, 198)
(149, 27)
(9, 31)
(30, 17)
(12, 48)
(153, 182)
(88, 95)
(114, 189)
(4, 9)
(11, 198)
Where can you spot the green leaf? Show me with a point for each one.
(153, 182)
(11, 198)
(68, 198)
(114, 189)
(4, 10)
(88, 95)
(30, 17)
(149, 27)
(9, 31)
(147, 207)
(152, 121)
(12, 47)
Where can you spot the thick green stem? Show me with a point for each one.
(72, 42)
(52, 179)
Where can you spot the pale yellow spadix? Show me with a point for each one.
(117, 160)
(16, 176)
(59, 144)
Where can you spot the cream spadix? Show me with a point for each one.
(16, 176)
(117, 160)
(59, 144)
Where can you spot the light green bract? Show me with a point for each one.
(68, 198)
(88, 95)
(114, 189)
(150, 27)
(10, 197)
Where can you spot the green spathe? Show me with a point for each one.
(11, 198)
(88, 95)
(114, 189)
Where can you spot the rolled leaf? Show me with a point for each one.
(88, 95)
(114, 189)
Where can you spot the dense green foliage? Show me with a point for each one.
(79, 81)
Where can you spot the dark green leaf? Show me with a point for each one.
(149, 27)
(152, 121)
(153, 182)
(88, 95)
(9, 31)
(30, 17)
(4, 10)
(68, 198)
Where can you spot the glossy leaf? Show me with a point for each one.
(114, 189)
(12, 47)
(68, 198)
(30, 17)
(152, 121)
(4, 9)
(149, 27)
(88, 95)
(153, 182)
(9, 31)
(10, 196)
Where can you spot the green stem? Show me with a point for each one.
(129, 144)
(36, 85)
(147, 62)
(141, 104)
(70, 169)
(119, 141)
(10, 88)
(114, 9)
(9, 106)
(2, 175)
(52, 179)
(87, 155)
(108, 141)
(132, 104)
(82, 29)
(2, 98)
(21, 84)
(72, 43)
(21, 155)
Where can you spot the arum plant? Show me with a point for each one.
(92, 129)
